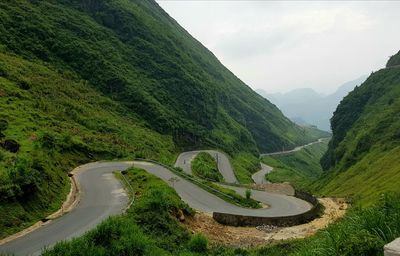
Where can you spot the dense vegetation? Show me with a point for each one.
(394, 60)
(205, 166)
(84, 80)
(58, 122)
(134, 53)
(301, 168)
(363, 155)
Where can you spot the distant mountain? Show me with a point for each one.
(310, 107)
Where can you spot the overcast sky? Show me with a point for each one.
(279, 46)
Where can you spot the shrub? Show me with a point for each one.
(248, 194)
(198, 243)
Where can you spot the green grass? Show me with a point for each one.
(244, 165)
(205, 166)
(301, 168)
(362, 160)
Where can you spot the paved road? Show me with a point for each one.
(291, 151)
(204, 201)
(102, 196)
(184, 161)
(259, 177)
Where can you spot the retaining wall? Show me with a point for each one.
(285, 221)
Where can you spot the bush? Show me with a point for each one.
(248, 194)
(3, 125)
(198, 243)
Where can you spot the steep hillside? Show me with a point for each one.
(134, 53)
(363, 155)
(394, 60)
(90, 80)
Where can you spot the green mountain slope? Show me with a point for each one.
(363, 155)
(133, 52)
(394, 60)
(90, 80)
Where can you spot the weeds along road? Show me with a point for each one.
(102, 195)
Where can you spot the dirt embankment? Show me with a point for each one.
(257, 236)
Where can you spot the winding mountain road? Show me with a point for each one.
(184, 161)
(259, 177)
(292, 150)
(102, 195)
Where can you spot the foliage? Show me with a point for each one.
(362, 157)
(394, 60)
(134, 53)
(244, 165)
(198, 243)
(248, 194)
(59, 123)
(205, 166)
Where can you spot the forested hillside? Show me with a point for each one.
(394, 60)
(134, 53)
(363, 155)
(91, 80)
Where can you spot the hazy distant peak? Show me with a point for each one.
(305, 105)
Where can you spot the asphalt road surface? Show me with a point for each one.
(102, 196)
(292, 150)
(184, 161)
(259, 177)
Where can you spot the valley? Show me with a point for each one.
(122, 134)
